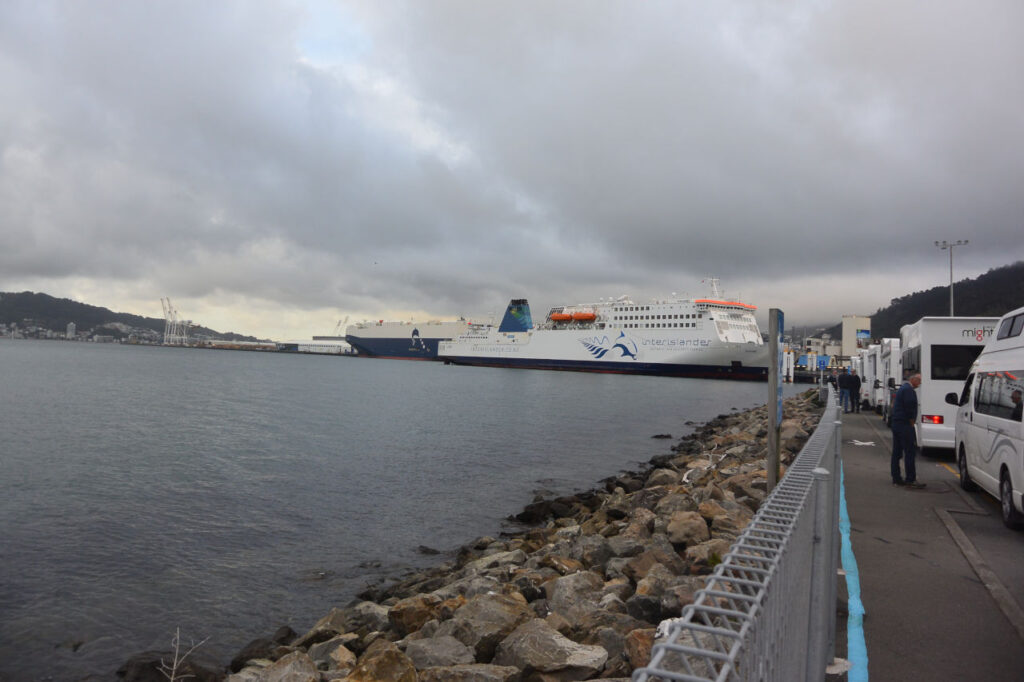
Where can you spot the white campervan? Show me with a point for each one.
(942, 350)
(891, 373)
(989, 435)
(870, 382)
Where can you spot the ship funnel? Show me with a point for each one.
(517, 317)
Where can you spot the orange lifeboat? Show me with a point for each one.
(560, 317)
(584, 316)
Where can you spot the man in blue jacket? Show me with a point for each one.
(844, 390)
(855, 384)
(904, 443)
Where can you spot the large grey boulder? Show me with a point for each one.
(295, 667)
(687, 528)
(409, 614)
(575, 594)
(536, 647)
(362, 618)
(485, 620)
(592, 550)
(383, 662)
(438, 651)
(469, 587)
(497, 560)
(474, 672)
(660, 477)
(333, 654)
(674, 503)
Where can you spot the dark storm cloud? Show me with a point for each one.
(443, 157)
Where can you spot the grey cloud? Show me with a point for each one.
(461, 153)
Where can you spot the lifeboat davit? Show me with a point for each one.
(584, 316)
(560, 317)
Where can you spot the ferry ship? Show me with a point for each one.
(709, 337)
(402, 340)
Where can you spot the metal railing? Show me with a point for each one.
(767, 612)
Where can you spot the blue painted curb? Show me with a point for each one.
(856, 647)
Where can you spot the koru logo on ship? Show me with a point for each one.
(601, 346)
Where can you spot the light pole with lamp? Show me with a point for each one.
(949, 245)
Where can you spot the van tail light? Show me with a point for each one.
(932, 419)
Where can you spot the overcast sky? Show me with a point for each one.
(273, 167)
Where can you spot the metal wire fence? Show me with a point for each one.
(767, 612)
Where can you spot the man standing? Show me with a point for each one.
(844, 390)
(904, 443)
(855, 390)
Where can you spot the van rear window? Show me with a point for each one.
(953, 363)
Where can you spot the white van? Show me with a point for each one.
(989, 435)
(942, 350)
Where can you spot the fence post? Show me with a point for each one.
(819, 610)
(833, 534)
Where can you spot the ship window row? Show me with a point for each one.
(644, 308)
(656, 325)
(694, 316)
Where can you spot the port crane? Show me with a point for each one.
(175, 329)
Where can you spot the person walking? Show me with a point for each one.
(844, 390)
(855, 385)
(904, 443)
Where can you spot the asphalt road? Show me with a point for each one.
(941, 578)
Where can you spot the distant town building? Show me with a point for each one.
(856, 334)
(70, 331)
(823, 345)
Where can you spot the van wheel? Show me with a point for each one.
(1011, 517)
(965, 478)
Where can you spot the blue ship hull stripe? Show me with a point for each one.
(649, 368)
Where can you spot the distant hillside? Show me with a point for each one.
(41, 310)
(993, 294)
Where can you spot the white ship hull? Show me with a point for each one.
(705, 338)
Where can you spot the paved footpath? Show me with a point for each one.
(927, 613)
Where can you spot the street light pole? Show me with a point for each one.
(949, 245)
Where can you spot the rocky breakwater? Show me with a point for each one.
(578, 596)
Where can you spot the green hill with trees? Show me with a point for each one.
(30, 309)
(992, 294)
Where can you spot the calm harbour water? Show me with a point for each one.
(225, 493)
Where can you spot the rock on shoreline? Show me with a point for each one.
(576, 597)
